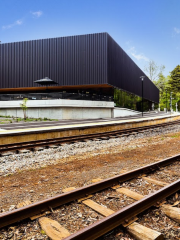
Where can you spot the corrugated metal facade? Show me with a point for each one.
(123, 73)
(78, 60)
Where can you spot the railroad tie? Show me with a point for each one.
(4, 154)
(135, 229)
(171, 212)
(26, 203)
(98, 208)
(96, 180)
(38, 149)
(24, 151)
(22, 204)
(53, 229)
(141, 232)
(68, 189)
(154, 181)
(90, 203)
(129, 193)
(73, 188)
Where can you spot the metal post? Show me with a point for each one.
(142, 98)
(166, 100)
(170, 102)
(171, 98)
(142, 78)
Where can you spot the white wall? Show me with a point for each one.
(64, 109)
(58, 109)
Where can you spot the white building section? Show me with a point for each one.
(59, 109)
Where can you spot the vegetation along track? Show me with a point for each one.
(33, 145)
(89, 197)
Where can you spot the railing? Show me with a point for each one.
(57, 95)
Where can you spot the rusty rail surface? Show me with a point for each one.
(46, 142)
(8, 218)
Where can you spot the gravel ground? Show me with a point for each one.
(37, 175)
(18, 162)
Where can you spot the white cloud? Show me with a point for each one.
(37, 14)
(139, 56)
(177, 30)
(18, 22)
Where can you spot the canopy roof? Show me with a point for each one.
(45, 81)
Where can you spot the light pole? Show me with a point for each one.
(142, 78)
(166, 100)
(171, 101)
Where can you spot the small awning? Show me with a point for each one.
(45, 81)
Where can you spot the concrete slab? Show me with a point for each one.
(41, 133)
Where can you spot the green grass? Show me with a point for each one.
(28, 120)
(19, 119)
(175, 136)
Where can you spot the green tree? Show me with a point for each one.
(24, 107)
(164, 91)
(126, 100)
(169, 84)
(175, 79)
(161, 83)
(153, 70)
(174, 86)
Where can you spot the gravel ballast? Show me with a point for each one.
(35, 176)
(33, 160)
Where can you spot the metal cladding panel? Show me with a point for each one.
(76, 60)
(91, 59)
(123, 73)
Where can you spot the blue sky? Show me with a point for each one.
(145, 29)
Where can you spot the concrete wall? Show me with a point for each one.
(64, 109)
(122, 112)
(59, 109)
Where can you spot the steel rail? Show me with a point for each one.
(8, 218)
(107, 224)
(46, 142)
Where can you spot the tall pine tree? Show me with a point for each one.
(174, 82)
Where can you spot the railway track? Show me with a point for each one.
(94, 197)
(33, 145)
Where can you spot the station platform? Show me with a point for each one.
(23, 132)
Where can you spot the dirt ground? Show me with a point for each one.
(79, 170)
